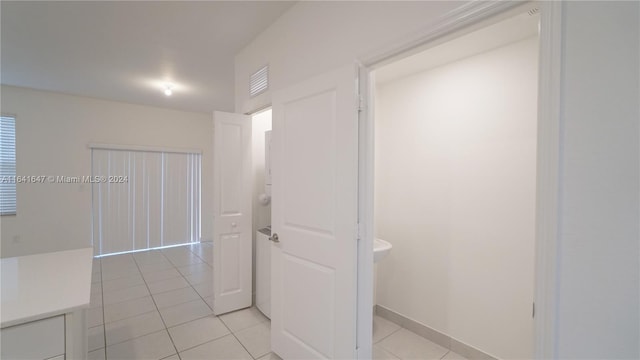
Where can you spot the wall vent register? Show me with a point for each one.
(259, 81)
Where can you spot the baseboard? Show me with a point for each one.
(469, 351)
(430, 334)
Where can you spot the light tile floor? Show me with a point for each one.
(390, 341)
(157, 305)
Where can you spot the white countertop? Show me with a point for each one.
(43, 285)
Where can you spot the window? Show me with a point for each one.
(7, 165)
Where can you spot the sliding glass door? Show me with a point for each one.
(144, 199)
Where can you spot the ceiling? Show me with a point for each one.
(126, 51)
(517, 25)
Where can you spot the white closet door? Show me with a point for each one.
(232, 231)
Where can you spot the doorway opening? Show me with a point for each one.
(261, 144)
(455, 194)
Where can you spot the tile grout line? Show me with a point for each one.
(175, 267)
(398, 356)
(103, 311)
(157, 309)
(221, 320)
(391, 333)
(118, 302)
(240, 330)
(392, 353)
(238, 340)
(128, 317)
(147, 312)
(206, 342)
(192, 286)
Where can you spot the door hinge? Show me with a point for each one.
(358, 231)
(360, 103)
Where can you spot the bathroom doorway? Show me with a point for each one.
(455, 193)
(261, 145)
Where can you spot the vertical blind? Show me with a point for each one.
(7, 165)
(144, 199)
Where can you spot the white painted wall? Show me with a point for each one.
(318, 36)
(313, 37)
(455, 195)
(52, 134)
(599, 252)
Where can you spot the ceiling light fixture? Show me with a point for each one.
(168, 89)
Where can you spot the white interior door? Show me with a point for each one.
(314, 214)
(232, 186)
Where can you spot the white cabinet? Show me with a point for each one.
(41, 339)
(44, 300)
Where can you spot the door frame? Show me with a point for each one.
(468, 18)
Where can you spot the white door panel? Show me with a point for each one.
(314, 169)
(232, 250)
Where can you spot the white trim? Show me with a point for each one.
(143, 148)
(364, 336)
(258, 110)
(457, 19)
(548, 179)
(450, 343)
(548, 155)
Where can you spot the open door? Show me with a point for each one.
(314, 217)
(232, 186)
